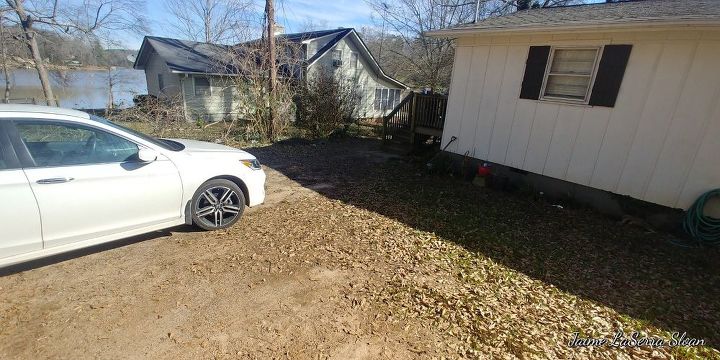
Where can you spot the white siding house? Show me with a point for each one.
(379, 93)
(622, 97)
(193, 72)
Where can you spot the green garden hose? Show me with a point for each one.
(704, 229)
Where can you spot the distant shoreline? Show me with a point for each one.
(53, 67)
(28, 64)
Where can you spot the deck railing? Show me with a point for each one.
(416, 113)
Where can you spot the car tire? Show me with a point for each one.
(217, 204)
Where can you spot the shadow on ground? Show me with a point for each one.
(38, 263)
(638, 274)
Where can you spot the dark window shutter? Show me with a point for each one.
(534, 72)
(610, 75)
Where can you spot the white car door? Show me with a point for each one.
(90, 183)
(19, 215)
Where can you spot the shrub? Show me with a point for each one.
(327, 102)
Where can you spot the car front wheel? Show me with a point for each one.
(217, 204)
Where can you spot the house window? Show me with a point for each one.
(583, 75)
(386, 99)
(202, 85)
(570, 73)
(337, 55)
(354, 60)
(337, 58)
(391, 100)
(161, 83)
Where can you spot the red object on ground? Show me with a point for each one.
(484, 170)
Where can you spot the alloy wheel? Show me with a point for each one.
(218, 206)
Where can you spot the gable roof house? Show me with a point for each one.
(196, 73)
(593, 100)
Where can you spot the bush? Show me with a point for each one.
(327, 102)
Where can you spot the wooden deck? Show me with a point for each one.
(417, 116)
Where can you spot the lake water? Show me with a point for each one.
(78, 89)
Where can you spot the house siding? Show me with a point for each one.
(225, 102)
(317, 44)
(659, 142)
(365, 76)
(171, 81)
(222, 102)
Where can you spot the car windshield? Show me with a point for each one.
(163, 143)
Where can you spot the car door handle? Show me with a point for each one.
(58, 180)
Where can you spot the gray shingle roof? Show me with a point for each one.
(616, 13)
(188, 56)
(339, 33)
(185, 56)
(309, 35)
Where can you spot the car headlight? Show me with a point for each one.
(253, 164)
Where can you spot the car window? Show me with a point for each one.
(163, 143)
(62, 144)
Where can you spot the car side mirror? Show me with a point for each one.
(147, 155)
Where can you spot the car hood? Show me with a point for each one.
(194, 146)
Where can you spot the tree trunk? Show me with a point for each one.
(26, 23)
(269, 8)
(111, 99)
(4, 59)
(207, 20)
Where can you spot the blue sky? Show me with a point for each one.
(290, 13)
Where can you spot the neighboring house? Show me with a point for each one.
(194, 72)
(622, 97)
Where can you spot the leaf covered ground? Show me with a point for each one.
(361, 254)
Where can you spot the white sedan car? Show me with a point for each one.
(69, 180)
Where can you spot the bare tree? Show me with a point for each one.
(310, 24)
(265, 114)
(271, 59)
(428, 61)
(488, 8)
(387, 50)
(94, 18)
(3, 50)
(327, 101)
(212, 21)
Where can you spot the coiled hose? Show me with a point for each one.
(704, 229)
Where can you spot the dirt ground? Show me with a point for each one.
(358, 254)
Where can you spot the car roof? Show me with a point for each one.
(40, 109)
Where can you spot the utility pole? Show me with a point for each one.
(477, 10)
(270, 13)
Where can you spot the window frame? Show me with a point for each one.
(384, 104)
(209, 92)
(28, 162)
(337, 51)
(161, 82)
(377, 101)
(354, 60)
(593, 74)
(386, 98)
(12, 162)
